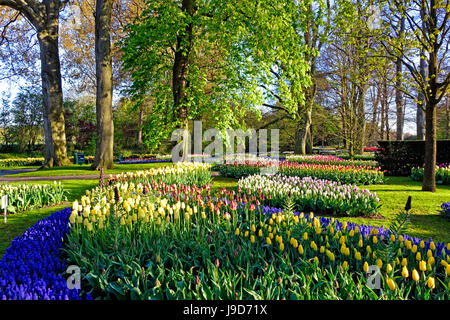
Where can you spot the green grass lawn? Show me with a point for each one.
(77, 170)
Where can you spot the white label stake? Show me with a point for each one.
(5, 204)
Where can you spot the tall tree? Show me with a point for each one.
(398, 85)
(190, 66)
(432, 38)
(44, 17)
(104, 157)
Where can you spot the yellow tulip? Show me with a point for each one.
(391, 284)
(447, 270)
(405, 272)
(281, 246)
(418, 256)
(305, 236)
(322, 249)
(253, 228)
(358, 256)
(414, 249)
(246, 234)
(422, 266)
(366, 266)
(431, 283)
(260, 233)
(404, 262)
(388, 268)
(422, 244)
(345, 265)
(379, 263)
(360, 243)
(432, 246)
(431, 261)
(269, 242)
(415, 275)
(300, 249)
(252, 239)
(429, 253)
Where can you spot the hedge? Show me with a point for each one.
(399, 157)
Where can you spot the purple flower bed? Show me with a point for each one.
(446, 209)
(32, 267)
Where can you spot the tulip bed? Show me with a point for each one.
(342, 173)
(310, 194)
(158, 241)
(162, 240)
(25, 197)
(21, 162)
(442, 174)
(183, 173)
(332, 160)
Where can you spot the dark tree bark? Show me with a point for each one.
(103, 61)
(180, 70)
(44, 17)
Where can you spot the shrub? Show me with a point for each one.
(399, 157)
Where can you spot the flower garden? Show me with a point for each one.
(361, 174)
(165, 233)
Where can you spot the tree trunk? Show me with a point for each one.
(429, 178)
(104, 157)
(141, 123)
(447, 116)
(398, 93)
(53, 110)
(303, 137)
(44, 16)
(420, 115)
(180, 82)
